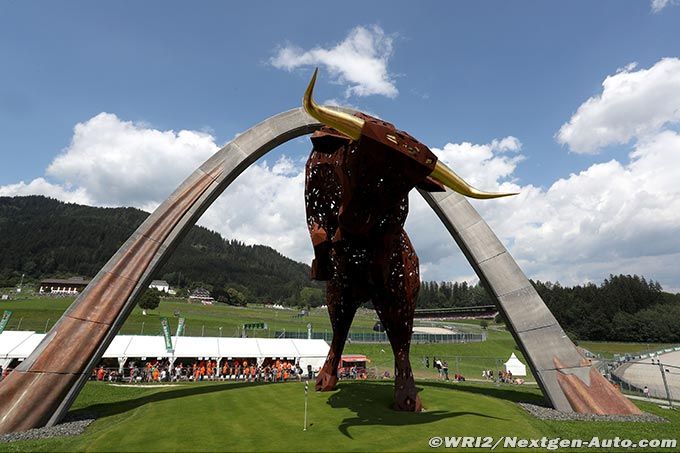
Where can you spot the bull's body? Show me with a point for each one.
(356, 196)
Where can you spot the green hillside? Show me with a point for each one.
(42, 237)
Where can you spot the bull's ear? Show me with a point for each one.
(347, 124)
(430, 185)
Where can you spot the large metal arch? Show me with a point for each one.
(40, 391)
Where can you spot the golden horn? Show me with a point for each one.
(347, 124)
(351, 126)
(446, 176)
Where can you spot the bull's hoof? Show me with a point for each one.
(407, 403)
(325, 382)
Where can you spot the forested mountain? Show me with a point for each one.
(44, 237)
(622, 308)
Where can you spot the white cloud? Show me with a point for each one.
(486, 165)
(40, 186)
(614, 217)
(119, 162)
(633, 104)
(658, 5)
(111, 162)
(265, 205)
(359, 61)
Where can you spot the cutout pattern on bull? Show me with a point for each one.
(357, 180)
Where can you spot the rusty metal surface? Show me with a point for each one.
(32, 396)
(597, 396)
(356, 197)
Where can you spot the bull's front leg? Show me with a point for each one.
(341, 310)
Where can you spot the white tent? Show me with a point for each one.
(282, 348)
(19, 345)
(238, 347)
(201, 347)
(118, 347)
(11, 341)
(311, 352)
(514, 366)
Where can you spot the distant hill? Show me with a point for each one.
(43, 237)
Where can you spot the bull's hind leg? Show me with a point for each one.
(397, 318)
(396, 304)
(341, 310)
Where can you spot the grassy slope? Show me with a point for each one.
(356, 417)
(469, 358)
(36, 312)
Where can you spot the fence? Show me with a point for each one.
(661, 379)
(380, 337)
(470, 367)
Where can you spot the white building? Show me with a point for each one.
(160, 285)
(68, 287)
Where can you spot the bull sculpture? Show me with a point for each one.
(357, 180)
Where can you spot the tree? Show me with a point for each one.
(484, 324)
(149, 300)
(311, 297)
(236, 297)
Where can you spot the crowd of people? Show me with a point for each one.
(244, 370)
(503, 376)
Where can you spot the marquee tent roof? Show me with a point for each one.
(514, 366)
(19, 345)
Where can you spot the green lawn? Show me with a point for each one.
(35, 313)
(468, 359)
(356, 417)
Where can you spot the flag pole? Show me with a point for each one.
(306, 389)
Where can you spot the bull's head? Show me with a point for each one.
(400, 156)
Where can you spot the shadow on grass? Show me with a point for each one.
(372, 404)
(108, 409)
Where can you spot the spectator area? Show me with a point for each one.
(15, 346)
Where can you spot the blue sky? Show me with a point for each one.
(457, 73)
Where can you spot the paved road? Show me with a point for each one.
(642, 372)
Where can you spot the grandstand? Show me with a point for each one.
(478, 312)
